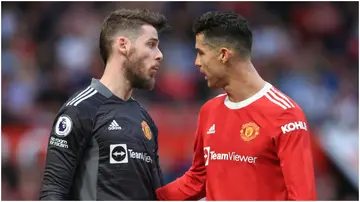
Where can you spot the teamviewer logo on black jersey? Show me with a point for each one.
(118, 153)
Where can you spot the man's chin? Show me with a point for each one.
(149, 85)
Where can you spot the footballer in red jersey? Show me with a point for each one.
(251, 143)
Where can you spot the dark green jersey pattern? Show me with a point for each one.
(102, 148)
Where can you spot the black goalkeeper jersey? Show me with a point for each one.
(102, 148)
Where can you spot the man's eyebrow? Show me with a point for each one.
(198, 49)
(154, 39)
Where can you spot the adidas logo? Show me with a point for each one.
(211, 129)
(114, 126)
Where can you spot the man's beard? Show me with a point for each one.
(135, 72)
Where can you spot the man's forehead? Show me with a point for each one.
(149, 32)
(199, 40)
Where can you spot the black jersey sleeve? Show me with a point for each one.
(68, 139)
(157, 161)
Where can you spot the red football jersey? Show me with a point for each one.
(257, 149)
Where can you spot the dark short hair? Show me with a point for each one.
(225, 28)
(127, 20)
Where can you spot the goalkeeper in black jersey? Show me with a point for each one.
(103, 144)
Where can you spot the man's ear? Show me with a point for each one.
(225, 55)
(123, 45)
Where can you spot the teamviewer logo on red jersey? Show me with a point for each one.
(228, 156)
(207, 155)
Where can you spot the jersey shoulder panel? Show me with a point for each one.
(275, 109)
(278, 101)
(85, 102)
(291, 119)
(213, 102)
(292, 114)
(77, 114)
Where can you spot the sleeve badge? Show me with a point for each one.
(63, 126)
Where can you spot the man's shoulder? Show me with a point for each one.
(84, 102)
(213, 102)
(281, 107)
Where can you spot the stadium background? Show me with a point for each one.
(307, 50)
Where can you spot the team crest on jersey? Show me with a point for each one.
(249, 131)
(63, 126)
(146, 130)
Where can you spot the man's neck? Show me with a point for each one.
(114, 79)
(244, 82)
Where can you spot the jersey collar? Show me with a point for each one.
(97, 85)
(248, 101)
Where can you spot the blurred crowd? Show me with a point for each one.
(309, 50)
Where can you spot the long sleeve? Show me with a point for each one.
(191, 186)
(161, 177)
(65, 148)
(294, 151)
